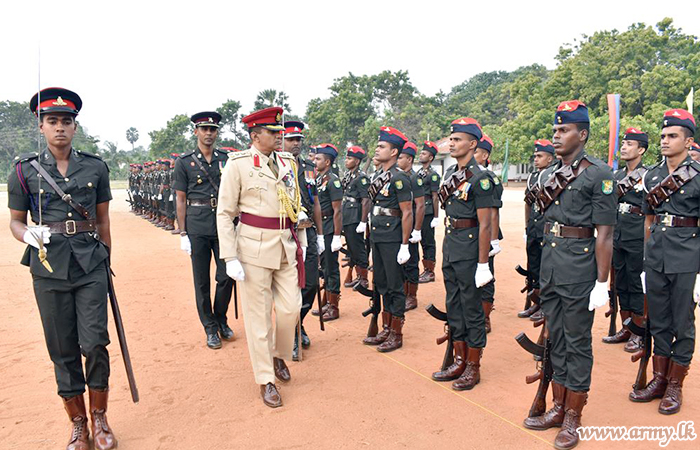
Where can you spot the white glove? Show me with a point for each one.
(696, 289)
(303, 254)
(335, 243)
(361, 228)
(434, 223)
(643, 276)
(234, 269)
(483, 274)
(185, 244)
(525, 237)
(415, 237)
(302, 216)
(495, 247)
(42, 232)
(320, 243)
(599, 296)
(404, 254)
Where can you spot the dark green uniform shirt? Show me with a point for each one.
(329, 191)
(630, 227)
(431, 183)
(397, 190)
(355, 184)
(87, 181)
(498, 192)
(535, 224)
(307, 183)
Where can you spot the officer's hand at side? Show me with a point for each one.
(320, 243)
(335, 243)
(434, 223)
(361, 227)
(643, 276)
(185, 244)
(303, 254)
(404, 254)
(483, 274)
(234, 269)
(32, 233)
(525, 237)
(302, 216)
(495, 247)
(415, 237)
(599, 295)
(696, 289)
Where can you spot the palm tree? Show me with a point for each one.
(270, 97)
(132, 135)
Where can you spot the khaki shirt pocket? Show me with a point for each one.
(249, 241)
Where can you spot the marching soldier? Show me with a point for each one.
(167, 195)
(411, 271)
(259, 187)
(577, 201)
(67, 256)
(197, 178)
(356, 206)
(628, 240)
(330, 198)
(534, 229)
(671, 264)
(431, 183)
(392, 222)
(467, 195)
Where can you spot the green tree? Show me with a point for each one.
(270, 97)
(132, 135)
(176, 137)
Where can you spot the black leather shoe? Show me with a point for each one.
(281, 370)
(213, 341)
(226, 333)
(305, 341)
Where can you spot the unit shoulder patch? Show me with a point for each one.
(607, 187)
(485, 184)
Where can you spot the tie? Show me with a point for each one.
(273, 165)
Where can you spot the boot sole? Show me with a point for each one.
(636, 400)
(669, 413)
(541, 428)
(388, 350)
(443, 380)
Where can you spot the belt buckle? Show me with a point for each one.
(555, 229)
(625, 208)
(667, 220)
(71, 227)
(213, 202)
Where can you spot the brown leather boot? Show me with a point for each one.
(324, 305)
(635, 343)
(673, 397)
(75, 407)
(333, 312)
(169, 225)
(621, 336)
(457, 368)
(568, 437)
(487, 315)
(534, 306)
(382, 335)
(657, 386)
(554, 416)
(102, 435)
(395, 339)
(537, 315)
(428, 275)
(362, 277)
(349, 280)
(471, 376)
(411, 296)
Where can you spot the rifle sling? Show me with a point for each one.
(558, 182)
(627, 184)
(65, 197)
(201, 167)
(452, 184)
(662, 191)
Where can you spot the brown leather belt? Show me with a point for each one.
(564, 231)
(669, 220)
(71, 227)
(210, 202)
(461, 223)
(381, 211)
(627, 208)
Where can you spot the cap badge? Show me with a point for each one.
(566, 107)
(675, 113)
(59, 102)
(278, 117)
(211, 120)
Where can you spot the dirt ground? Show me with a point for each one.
(343, 395)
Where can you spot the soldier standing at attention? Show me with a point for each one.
(431, 184)
(392, 222)
(467, 195)
(356, 206)
(577, 200)
(264, 252)
(628, 240)
(410, 286)
(70, 281)
(671, 263)
(197, 178)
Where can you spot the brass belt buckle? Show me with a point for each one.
(213, 202)
(667, 220)
(555, 229)
(71, 227)
(624, 208)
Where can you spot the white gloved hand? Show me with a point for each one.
(42, 232)
(185, 244)
(320, 243)
(525, 237)
(643, 276)
(361, 228)
(599, 296)
(483, 274)
(404, 254)
(234, 269)
(434, 223)
(303, 254)
(415, 237)
(696, 289)
(302, 216)
(335, 243)
(495, 247)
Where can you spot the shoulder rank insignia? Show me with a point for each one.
(363, 181)
(496, 181)
(607, 187)
(336, 183)
(237, 155)
(420, 182)
(398, 184)
(434, 177)
(485, 184)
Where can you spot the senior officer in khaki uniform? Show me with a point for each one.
(260, 187)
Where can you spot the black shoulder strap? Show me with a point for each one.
(65, 197)
(201, 167)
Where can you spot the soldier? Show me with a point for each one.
(534, 229)
(410, 285)
(293, 136)
(173, 196)
(392, 222)
(481, 156)
(467, 195)
(628, 240)
(197, 178)
(431, 184)
(70, 281)
(167, 201)
(671, 265)
(577, 201)
(263, 251)
(356, 206)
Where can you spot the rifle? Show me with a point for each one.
(544, 370)
(320, 307)
(644, 354)
(235, 298)
(448, 359)
(119, 325)
(612, 312)
(528, 284)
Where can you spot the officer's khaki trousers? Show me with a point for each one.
(262, 289)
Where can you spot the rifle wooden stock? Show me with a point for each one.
(612, 311)
(235, 298)
(529, 379)
(544, 374)
(320, 308)
(448, 359)
(442, 339)
(373, 329)
(528, 287)
(644, 354)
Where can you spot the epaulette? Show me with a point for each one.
(286, 155)
(237, 155)
(223, 151)
(695, 164)
(91, 155)
(25, 157)
(191, 152)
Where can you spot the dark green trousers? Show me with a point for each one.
(356, 246)
(628, 259)
(463, 301)
(203, 247)
(534, 257)
(330, 266)
(410, 269)
(427, 240)
(488, 291)
(308, 293)
(389, 277)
